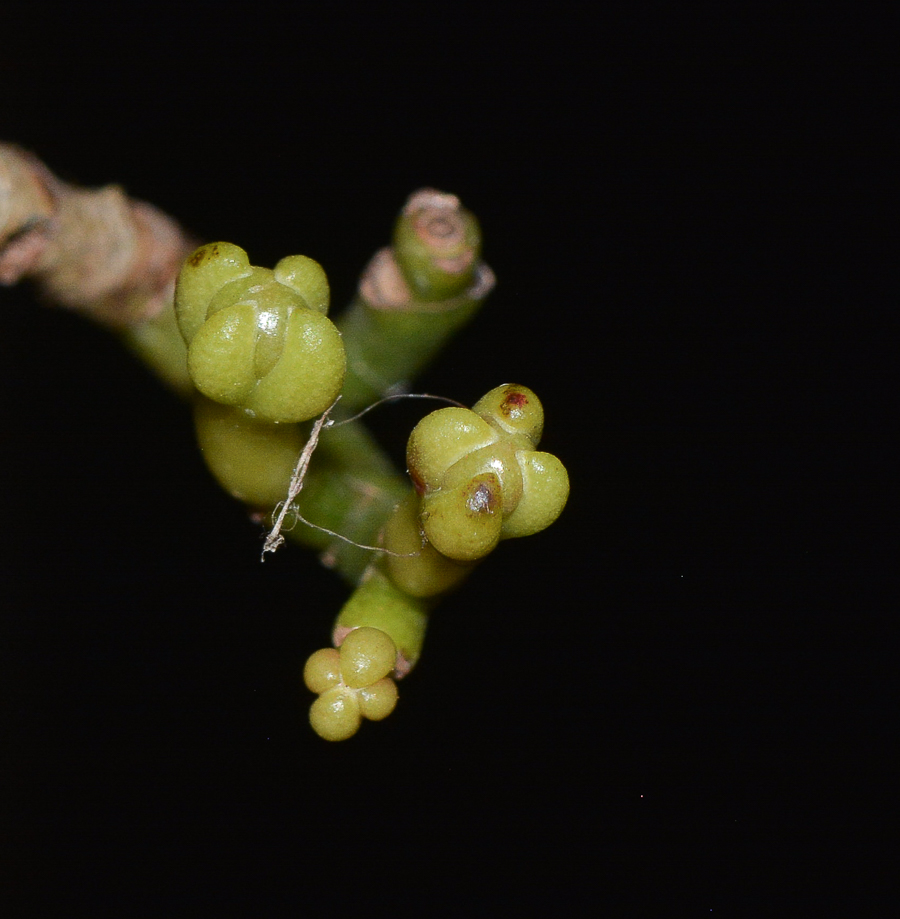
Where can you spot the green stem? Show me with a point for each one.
(390, 337)
(158, 343)
(399, 588)
(351, 486)
(379, 603)
(352, 489)
(412, 298)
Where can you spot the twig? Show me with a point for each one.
(97, 251)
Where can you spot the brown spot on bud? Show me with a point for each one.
(203, 254)
(513, 403)
(482, 498)
(418, 484)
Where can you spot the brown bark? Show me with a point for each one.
(96, 251)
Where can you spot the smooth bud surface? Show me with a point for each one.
(441, 439)
(514, 409)
(251, 459)
(254, 341)
(480, 478)
(323, 670)
(367, 655)
(335, 714)
(415, 566)
(544, 495)
(307, 277)
(377, 701)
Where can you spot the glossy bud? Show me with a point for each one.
(251, 459)
(335, 714)
(352, 683)
(367, 655)
(464, 522)
(480, 478)
(254, 339)
(513, 409)
(377, 701)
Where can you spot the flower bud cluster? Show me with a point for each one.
(479, 475)
(352, 683)
(259, 339)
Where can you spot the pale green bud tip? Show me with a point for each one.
(367, 655)
(437, 244)
(202, 274)
(514, 409)
(307, 277)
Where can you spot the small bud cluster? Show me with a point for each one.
(479, 475)
(259, 339)
(352, 683)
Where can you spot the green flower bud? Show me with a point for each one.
(379, 603)
(545, 490)
(254, 341)
(479, 476)
(442, 438)
(335, 714)
(377, 701)
(307, 277)
(514, 410)
(464, 522)
(367, 655)
(351, 682)
(203, 273)
(418, 570)
(251, 459)
(323, 670)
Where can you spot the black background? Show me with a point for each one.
(674, 702)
